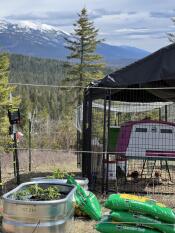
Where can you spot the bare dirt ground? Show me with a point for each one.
(83, 227)
(43, 163)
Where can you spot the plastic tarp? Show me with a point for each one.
(154, 71)
(121, 107)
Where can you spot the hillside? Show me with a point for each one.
(52, 108)
(26, 69)
(45, 102)
(50, 101)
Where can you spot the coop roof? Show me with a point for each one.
(154, 71)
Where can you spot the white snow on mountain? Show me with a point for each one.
(28, 26)
(3, 24)
(41, 27)
(43, 40)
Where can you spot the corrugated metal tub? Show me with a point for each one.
(38, 216)
(81, 181)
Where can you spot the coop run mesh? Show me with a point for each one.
(127, 146)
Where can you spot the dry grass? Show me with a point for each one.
(42, 161)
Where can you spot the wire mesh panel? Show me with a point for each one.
(132, 145)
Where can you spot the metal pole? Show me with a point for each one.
(87, 125)
(119, 118)
(168, 170)
(104, 146)
(16, 160)
(84, 145)
(0, 176)
(108, 125)
(160, 114)
(89, 161)
(30, 152)
(166, 113)
(78, 147)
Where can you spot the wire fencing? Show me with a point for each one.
(125, 156)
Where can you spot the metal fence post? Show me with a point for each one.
(16, 159)
(104, 146)
(30, 152)
(87, 120)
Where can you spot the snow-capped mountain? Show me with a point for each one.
(42, 40)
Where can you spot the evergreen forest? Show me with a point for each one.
(52, 109)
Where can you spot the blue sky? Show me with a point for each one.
(140, 23)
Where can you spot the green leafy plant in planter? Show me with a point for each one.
(22, 195)
(35, 192)
(59, 174)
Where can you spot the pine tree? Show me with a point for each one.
(5, 104)
(82, 46)
(171, 36)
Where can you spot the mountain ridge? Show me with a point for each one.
(47, 41)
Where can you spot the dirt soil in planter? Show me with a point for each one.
(37, 198)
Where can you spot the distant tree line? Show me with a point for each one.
(52, 109)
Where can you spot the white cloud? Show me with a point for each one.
(126, 22)
(134, 28)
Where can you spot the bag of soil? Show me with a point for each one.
(86, 201)
(140, 205)
(108, 226)
(140, 220)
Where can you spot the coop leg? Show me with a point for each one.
(116, 183)
(144, 163)
(125, 171)
(168, 170)
(153, 168)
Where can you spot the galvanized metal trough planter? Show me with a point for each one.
(53, 216)
(81, 181)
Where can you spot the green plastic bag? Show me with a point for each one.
(140, 205)
(140, 220)
(86, 201)
(108, 226)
